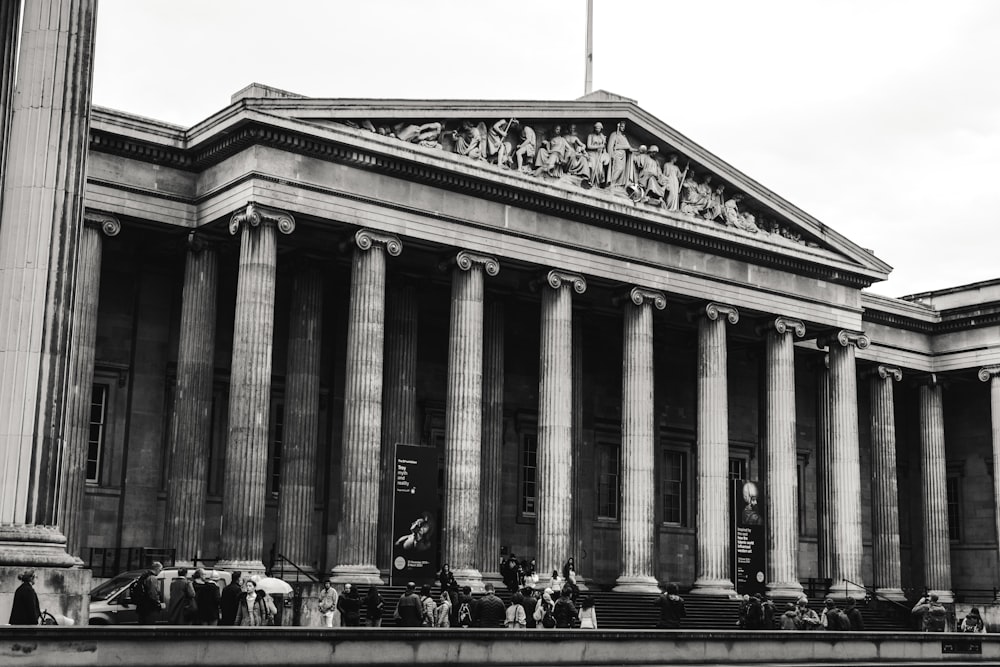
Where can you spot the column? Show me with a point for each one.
(10, 14)
(934, 492)
(885, 498)
(463, 430)
(191, 421)
(781, 457)
(491, 479)
(991, 374)
(638, 528)
(844, 474)
(245, 482)
(824, 490)
(555, 421)
(399, 394)
(73, 459)
(362, 435)
(297, 492)
(40, 226)
(713, 564)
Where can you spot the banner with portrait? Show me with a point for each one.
(748, 511)
(414, 517)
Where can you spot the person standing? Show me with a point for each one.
(373, 607)
(327, 603)
(588, 614)
(149, 603)
(565, 611)
(349, 606)
(671, 608)
(427, 607)
(207, 598)
(490, 611)
(790, 619)
(857, 622)
(515, 618)
(182, 602)
(25, 610)
(253, 609)
(529, 602)
(231, 599)
(408, 609)
(933, 615)
(442, 615)
(972, 622)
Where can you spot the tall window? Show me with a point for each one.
(675, 487)
(279, 436)
(737, 468)
(607, 480)
(954, 489)
(95, 439)
(529, 473)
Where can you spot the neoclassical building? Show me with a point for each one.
(594, 336)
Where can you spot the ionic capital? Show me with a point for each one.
(367, 239)
(886, 372)
(107, 223)
(640, 295)
(465, 260)
(987, 373)
(713, 310)
(555, 279)
(254, 215)
(782, 325)
(844, 337)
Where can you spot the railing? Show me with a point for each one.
(108, 561)
(277, 569)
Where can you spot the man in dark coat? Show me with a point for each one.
(231, 600)
(529, 603)
(148, 605)
(409, 611)
(490, 610)
(25, 609)
(565, 611)
(671, 608)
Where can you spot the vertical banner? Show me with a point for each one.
(414, 516)
(749, 536)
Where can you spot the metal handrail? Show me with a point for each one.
(284, 559)
(872, 593)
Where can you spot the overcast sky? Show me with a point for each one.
(880, 118)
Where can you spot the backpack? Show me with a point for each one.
(548, 620)
(137, 591)
(464, 615)
(836, 619)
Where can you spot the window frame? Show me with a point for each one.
(98, 476)
(614, 447)
(685, 500)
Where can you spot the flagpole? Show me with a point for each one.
(588, 83)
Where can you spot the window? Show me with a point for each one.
(95, 437)
(217, 444)
(607, 480)
(675, 487)
(954, 508)
(529, 473)
(276, 441)
(737, 468)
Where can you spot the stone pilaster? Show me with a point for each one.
(73, 459)
(491, 478)
(463, 430)
(844, 457)
(10, 14)
(40, 226)
(555, 421)
(824, 490)
(362, 436)
(991, 374)
(782, 457)
(399, 395)
(934, 492)
(638, 530)
(191, 421)
(297, 493)
(245, 484)
(885, 497)
(713, 564)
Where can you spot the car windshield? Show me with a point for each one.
(111, 586)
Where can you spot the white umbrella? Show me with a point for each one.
(273, 586)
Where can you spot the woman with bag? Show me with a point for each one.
(254, 608)
(516, 619)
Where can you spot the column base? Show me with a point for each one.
(945, 596)
(34, 546)
(713, 587)
(841, 590)
(356, 574)
(61, 583)
(640, 584)
(472, 578)
(247, 567)
(787, 589)
(894, 594)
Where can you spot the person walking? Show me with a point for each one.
(588, 614)
(182, 607)
(515, 617)
(565, 611)
(373, 607)
(349, 606)
(490, 611)
(327, 603)
(671, 607)
(207, 599)
(25, 609)
(147, 598)
(253, 609)
(442, 615)
(231, 595)
(428, 607)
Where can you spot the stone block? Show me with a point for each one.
(62, 591)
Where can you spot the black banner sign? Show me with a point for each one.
(414, 517)
(749, 537)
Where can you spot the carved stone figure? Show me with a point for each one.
(732, 211)
(597, 155)
(526, 149)
(672, 177)
(468, 141)
(650, 176)
(497, 147)
(577, 162)
(689, 195)
(716, 204)
(747, 222)
(620, 152)
(425, 135)
(551, 157)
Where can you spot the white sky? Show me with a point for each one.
(880, 118)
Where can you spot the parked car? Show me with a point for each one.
(110, 603)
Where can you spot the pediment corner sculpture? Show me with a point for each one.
(555, 151)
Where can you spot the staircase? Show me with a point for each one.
(635, 611)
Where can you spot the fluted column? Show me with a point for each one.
(934, 492)
(297, 493)
(555, 421)
(844, 457)
(191, 421)
(713, 559)
(824, 490)
(399, 395)
(10, 14)
(73, 459)
(362, 435)
(40, 226)
(991, 374)
(638, 530)
(245, 484)
(463, 429)
(782, 457)
(885, 498)
(491, 479)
